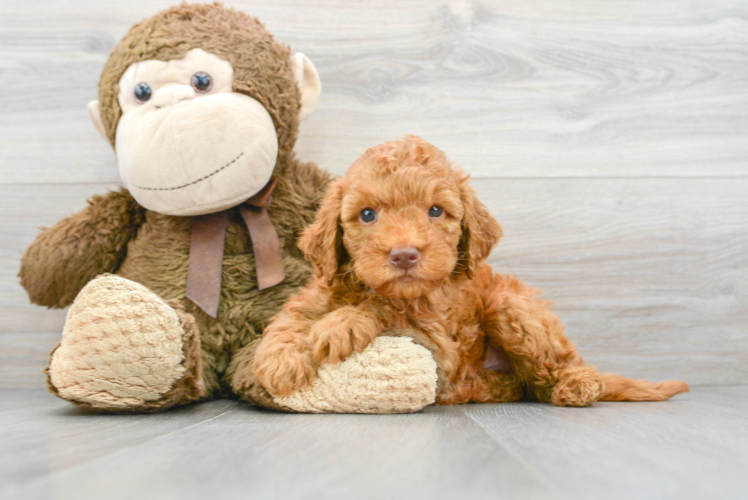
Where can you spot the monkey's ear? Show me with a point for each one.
(95, 114)
(306, 76)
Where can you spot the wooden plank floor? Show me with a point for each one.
(695, 446)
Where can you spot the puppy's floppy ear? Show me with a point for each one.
(480, 231)
(322, 242)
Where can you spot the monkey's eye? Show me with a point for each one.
(142, 92)
(367, 215)
(436, 211)
(201, 82)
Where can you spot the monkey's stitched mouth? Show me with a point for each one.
(193, 182)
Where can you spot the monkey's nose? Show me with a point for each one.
(172, 94)
(404, 257)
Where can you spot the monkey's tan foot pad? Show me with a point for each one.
(121, 348)
(392, 375)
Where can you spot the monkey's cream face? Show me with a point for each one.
(186, 143)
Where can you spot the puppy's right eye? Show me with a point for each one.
(367, 215)
(436, 211)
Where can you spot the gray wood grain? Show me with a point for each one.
(650, 280)
(48, 436)
(693, 447)
(23, 357)
(229, 451)
(511, 88)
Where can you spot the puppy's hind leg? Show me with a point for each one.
(540, 353)
(484, 386)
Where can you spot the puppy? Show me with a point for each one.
(399, 245)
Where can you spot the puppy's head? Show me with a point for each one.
(402, 220)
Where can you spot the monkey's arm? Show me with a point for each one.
(310, 183)
(68, 255)
(322, 179)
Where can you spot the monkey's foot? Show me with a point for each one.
(392, 375)
(124, 349)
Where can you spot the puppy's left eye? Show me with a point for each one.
(435, 211)
(367, 215)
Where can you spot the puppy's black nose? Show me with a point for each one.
(404, 257)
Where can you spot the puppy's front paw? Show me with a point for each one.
(579, 386)
(283, 368)
(340, 333)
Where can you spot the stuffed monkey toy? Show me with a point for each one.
(172, 279)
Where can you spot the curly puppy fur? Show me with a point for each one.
(449, 294)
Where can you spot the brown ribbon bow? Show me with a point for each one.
(207, 243)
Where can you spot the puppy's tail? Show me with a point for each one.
(618, 388)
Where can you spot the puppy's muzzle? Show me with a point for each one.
(404, 257)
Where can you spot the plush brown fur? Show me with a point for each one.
(451, 296)
(115, 234)
(261, 68)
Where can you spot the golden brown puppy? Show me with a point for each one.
(400, 243)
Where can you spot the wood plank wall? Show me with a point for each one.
(609, 138)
